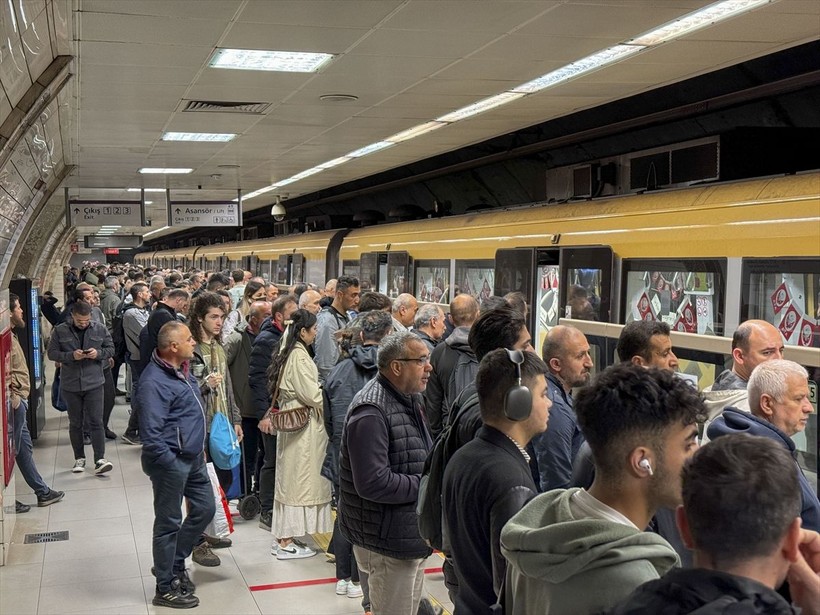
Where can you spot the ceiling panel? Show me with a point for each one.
(134, 54)
(190, 31)
(256, 35)
(347, 14)
(417, 44)
(215, 9)
(113, 75)
(466, 15)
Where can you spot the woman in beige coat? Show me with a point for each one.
(301, 500)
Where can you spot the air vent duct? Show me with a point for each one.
(221, 106)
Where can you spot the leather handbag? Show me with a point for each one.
(292, 420)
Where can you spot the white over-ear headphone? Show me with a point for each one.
(644, 463)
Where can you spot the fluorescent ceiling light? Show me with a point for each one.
(259, 59)
(577, 68)
(165, 170)
(306, 173)
(159, 230)
(369, 149)
(146, 189)
(206, 137)
(415, 131)
(335, 162)
(698, 19)
(255, 193)
(481, 106)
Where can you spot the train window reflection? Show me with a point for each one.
(786, 294)
(583, 294)
(351, 268)
(433, 281)
(686, 295)
(475, 277)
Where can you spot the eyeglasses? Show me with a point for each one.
(420, 360)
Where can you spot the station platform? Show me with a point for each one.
(104, 566)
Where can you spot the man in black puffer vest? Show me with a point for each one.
(384, 445)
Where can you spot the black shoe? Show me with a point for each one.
(130, 439)
(175, 598)
(86, 438)
(52, 497)
(20, 508)
(265, 519)
(121, 393)
(110, 435)
(185, 582)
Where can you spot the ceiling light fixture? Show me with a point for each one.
(165, 170)
(696, 20)
(146, 189)
(702, 18)
(159, 230)
(200, 137)
(260, 59)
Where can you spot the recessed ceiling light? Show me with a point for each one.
(146, 189)
(415, 131)
(480, 107)
(159, 230)
(335, 162)
(227, 166)
(206, 137)
(260, 59)
(165, 170)
(369, 149)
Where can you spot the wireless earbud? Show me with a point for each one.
(644, 464)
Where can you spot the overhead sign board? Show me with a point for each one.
(204, 213)
(113, 241)
(103, 214)
(111, 251)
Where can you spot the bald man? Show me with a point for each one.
(441, 387)
(309, 300)
(754, 342)
(405, 307)
(566, 353)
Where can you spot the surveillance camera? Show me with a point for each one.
(278, 211)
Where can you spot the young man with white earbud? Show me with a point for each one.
(578, 551)
(488, 479)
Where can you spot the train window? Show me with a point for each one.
(688, 295)
(433, 281)
(786, 293)
(368, 267)
(398, 273)
(475, 277)
(586, 280)
(351, 268)
(297, 268)
(283, 270)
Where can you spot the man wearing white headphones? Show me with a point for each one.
(488, 479)
(582, 550)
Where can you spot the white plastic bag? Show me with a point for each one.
(221, 525)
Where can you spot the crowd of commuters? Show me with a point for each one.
(557, 492)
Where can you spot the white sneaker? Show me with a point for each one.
(294, 551)
(79, 465)
(274, 548)
(354, 590)
(341, 587)
(103, 466)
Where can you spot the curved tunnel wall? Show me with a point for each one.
(35, 121)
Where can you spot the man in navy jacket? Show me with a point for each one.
(172, 429)
(779, 401)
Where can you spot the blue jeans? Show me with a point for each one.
(173, 538)
(24, 451)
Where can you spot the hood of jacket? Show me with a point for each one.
(544, 541)
(458, 339)
(365, 356)
(735, 421)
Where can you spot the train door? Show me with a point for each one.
(386, 272)
(283, 270)
(558, 282)
(297, 268)
(251, 263)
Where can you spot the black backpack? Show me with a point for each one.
(429, 508)
(117, 331)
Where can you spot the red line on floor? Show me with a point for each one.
(307, 582)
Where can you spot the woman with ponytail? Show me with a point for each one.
(301, 500)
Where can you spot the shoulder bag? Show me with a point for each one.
(287, 421)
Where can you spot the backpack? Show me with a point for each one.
(462, 376)
(429, 509)
(118, 332)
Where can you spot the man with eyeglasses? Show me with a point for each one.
(385, 442)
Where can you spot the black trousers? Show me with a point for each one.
(267, 475)
(86, 408)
